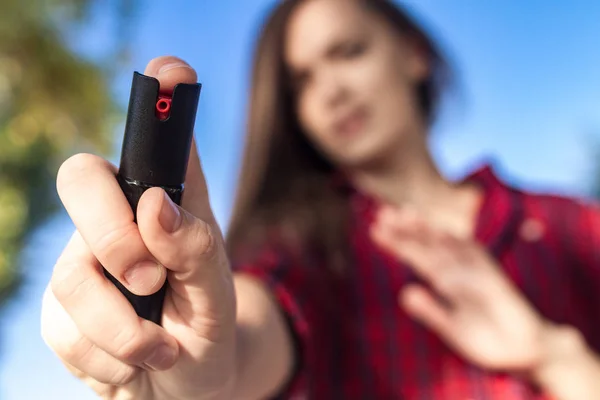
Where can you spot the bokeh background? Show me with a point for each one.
(528, 101)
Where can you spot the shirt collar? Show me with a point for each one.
(500, 213)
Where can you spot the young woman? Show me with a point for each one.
(359, 271)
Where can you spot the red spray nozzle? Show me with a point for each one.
(163, 107)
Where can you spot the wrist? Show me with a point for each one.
(561, 346)
(567, 368)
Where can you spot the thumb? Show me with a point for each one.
(192, 251)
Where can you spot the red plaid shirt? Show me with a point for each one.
(355, 342)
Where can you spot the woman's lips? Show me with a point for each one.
(351, 123)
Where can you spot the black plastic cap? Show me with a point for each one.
(156, 152)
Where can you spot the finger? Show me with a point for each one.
(438, 265)
(95, 202)
(103, 315)
(402, 221)
(82, 357)
(170, 71)
(195, 198)
(200, 280)
(420, 304)
(407, 224)
(396, 228)
(87, 187)
(413, 248)
(462, 251)
(461, 268)
(431, 254)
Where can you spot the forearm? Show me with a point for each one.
(264, 348)
(570, 369)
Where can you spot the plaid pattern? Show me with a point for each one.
(355, 342)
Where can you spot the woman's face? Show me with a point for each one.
(354, 78)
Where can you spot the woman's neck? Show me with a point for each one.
(412, 179)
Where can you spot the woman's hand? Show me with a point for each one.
(479, 313)
(89, 323)
(473, 307)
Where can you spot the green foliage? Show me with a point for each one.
(52, 103)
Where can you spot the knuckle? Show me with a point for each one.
(75, 170)
(444, 286)
(72, 351)
(115, 240)
(127, 345)
(54, 334)
(69, 283)
(63, 339)
(447, 240)
(75, 352)
(118, 377)
(450, 285)
(197, 242)
(203, 240)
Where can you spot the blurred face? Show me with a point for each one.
(354, 78)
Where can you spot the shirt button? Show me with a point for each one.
(532, 230)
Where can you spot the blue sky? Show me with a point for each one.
(530, 100)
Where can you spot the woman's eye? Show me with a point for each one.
(351, 50)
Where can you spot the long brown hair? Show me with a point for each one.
(285, 185)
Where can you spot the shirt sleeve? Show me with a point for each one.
(583, 238)
(303, 290)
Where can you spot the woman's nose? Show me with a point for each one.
(332, 90)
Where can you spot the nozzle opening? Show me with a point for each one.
(163, 107)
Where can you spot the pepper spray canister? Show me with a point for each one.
(158, 136)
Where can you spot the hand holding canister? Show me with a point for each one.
(156, 148)
(100, 329)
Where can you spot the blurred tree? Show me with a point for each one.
(52, 103)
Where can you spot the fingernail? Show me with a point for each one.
(144, 275)
(173, 65)
(162, 358)
(169, 217)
